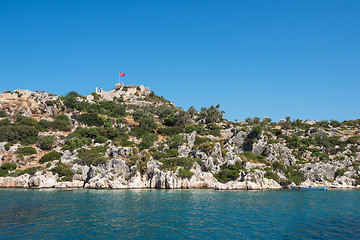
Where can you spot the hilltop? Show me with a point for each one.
(129, 137)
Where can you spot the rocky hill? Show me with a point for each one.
(129, 137)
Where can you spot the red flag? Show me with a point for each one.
(122, 74)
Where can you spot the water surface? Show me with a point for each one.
(179, 214)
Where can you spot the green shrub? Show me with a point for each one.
(294, 175)
(21, 120)
(173, 163)
(50, 157)
(207, 147)
(189, 128)
(63, 172)
(255, 132)
(357, 181)
(47, 142)
(14, 133)
(8, 166)
(3, 173)
(340, 172)
(321, 156)
(183, 173)
(31, 171)
(250, 156)
(277, 166)
(213, 129)
(2, 113)
(91, 119)
(276, 132)
(214, 132)
(26, 151)
(61, 123)
(5, 122)
(170, 131)
(7, 146)
(176, 141)
(159, 155)
(72, 144)
(229, 172)
(353, 140)
(172, 153)
(147, 141)
(198, 141)
(126, 143)
(271, 175)
(100, 139)
(93, 156)
(138, 132)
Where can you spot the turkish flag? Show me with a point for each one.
(122, 74)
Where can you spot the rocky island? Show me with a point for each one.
(129, 137)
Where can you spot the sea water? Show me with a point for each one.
(179, 214)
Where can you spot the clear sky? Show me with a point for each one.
(297, 58)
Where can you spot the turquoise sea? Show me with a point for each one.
(179, 214)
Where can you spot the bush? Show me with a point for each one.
(276, 132)
(159, 155)
(50, 157)
(31, 171)
(173, 163)
(60, 123)
(21, 120)
(47, 142)
(277, 166)
(15, 133)
(63, 172)
(72, 144)
(255, 132)
(26, 151)
(176, 141)
(7, 146)
(271, 175)
(183, 173)
(93, 156)
(147, 141)
(138, 132)
(172, 153)
(207, 147)
(8, 166)
(198, 141)
(2, 113)
(294, 175)
(170, 131)
(190, 128)
(91, 119)
(100, 139)
(340, 172)
(3, 173)
(229, 172)
(250, 156)
(126, 143)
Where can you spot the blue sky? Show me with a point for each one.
(254, 58)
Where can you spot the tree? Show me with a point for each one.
(211, 114)
(192, 111)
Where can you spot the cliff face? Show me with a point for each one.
(130, 138)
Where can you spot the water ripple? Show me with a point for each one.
(179, 214)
